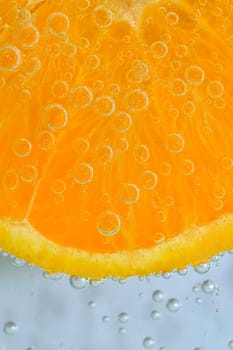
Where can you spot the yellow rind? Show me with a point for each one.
(194, 246)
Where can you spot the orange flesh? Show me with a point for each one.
(116, 134)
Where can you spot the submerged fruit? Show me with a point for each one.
(116, 134)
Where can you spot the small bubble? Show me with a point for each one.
(165, 169)
(53, 276)
(102, 17)
(78, 282)
(195, 75)
(141, 153)
(172, 18)
(130, 193)
(181, 51)
(178, 87)
(105, 105)
(167, 275)
(96, 284)
(182, 272)
(22, 147)
(28, 35)
(93, 61)
(46, 140)
(155, 315)
(10, 58)
(104, 153)
(149, 180)
(148, 343)
(123, 317)
(105, 319)
(109, 223)
(58, 186)
(56, 117)
(60, 88)
(175, 143)
(217, 204)
(122, 122)
(10, 180)
(215, 89)
(196, 289)
(18, 262)
(198, 301)
(208, 287)
(92, 304)
(10, 328)
(188, 167)
(227, 163)
(189, 108)
(230, 344)
(173, 305)
(83, 173)
(83, 4)
(122, 330)
(202, 268)
(158, 296)
(159, 49)
(58, 23)
(28, 173)
(137, 100)
(81, 96)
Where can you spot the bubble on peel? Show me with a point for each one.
(102, 17)
(105, 319)
(122, 121)
(189, 108)
(159, 49)
(141, 153)
(178, 87)
(122, 145)
(167, 275)
(123, 317)
(149, 180)
(81, 96)
(10, 180)
(105, 106)
(198, 301)
(46, 140)
(202, 268)
(104, 153)
(83, 4)
(155, 315)
(56, 117)
(108, 223)
(122, 330)
(130, 193)
(148, 343)
(10, 58)
(58, 23)
(58, 186)
(227, 163)
(165, 168)
(28, 173)
(10, 328)
(208, 287)
(52, 276)
(175, 143)
(172, 18)
(158, 296)
(92, 304)
(81, 145)
(22, 147)
(92, 61)
(188, 167)
(69, 49)
(18, 262)
(181, 51)
(60, 88)
(78, 282)
(96, 284)
(83, 173)
(137, 100)
(215, 89)
(182, 272)
(194, 75)
(173, 305)
(28, 35)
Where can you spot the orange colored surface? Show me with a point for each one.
(115, 123)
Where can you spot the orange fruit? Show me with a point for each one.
(116, 133)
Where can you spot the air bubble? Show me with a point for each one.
(60, 88)
(217, 204)
(46, 140)
(78, 282)
(10, 328)
(149, 180)
(10, 58)
(81, 145)
(165, 168)
(182, 272)
(56, 117)
(130, 193)
(195, 75)
(83, 4)
(122, 330)
(105, 319)
(123, 317)
(227, 163)
(189, 108)
(59, 186)
(96, 284)
(137, 100)
(10, 180)
(188, 167)
(92, 304)
(148, 343)
(208, 287)
(52, 276)
(28, 35)
(175, 143)
(178, 87)
(198, 301)
(141, 153)
(58, 23)
(108, 223)
(158, 296)
(18, 262)
(81, 96)
(155, 315)
(93, 61)
(181, 51)
(173, 305)
(122, 122)
(83, 43)
(102, 17)
(104, 153)
(22, 147)
(83, 173)
(215, 89)
(28, 173)
(105, 105)
(69, 49)
(172, 18)
(159, 49)
(202, 268)
(122, 144)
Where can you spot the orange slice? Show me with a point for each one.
(116, 134)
